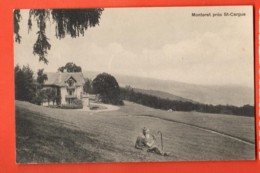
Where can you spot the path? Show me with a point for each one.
(108, 108)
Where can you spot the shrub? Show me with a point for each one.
(37, 100)
(70, 106)
(76, 104)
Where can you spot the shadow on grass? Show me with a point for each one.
(42, 139)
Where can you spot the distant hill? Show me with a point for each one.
(162, 94)
(208, 94)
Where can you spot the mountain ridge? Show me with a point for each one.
(208, 94)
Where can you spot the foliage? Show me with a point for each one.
(50, 94)
(70, 67)
(46, 94)
(17, 19)
(41, 76)
(78, 102)
(73, 22)
(43, 94)
(128, 93)
(70, 106)
(40, 97)
(25, 89)
(58, 98)
(88, 87)
(108, 89)
(42, 45)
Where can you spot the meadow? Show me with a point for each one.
(45, 135)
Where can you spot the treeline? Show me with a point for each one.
(129, 94)
(25, 88)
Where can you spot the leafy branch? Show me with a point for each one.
(73, 22)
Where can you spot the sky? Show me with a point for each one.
(163, 43)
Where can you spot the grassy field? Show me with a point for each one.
(52, 135)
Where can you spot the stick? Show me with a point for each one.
(161, 139)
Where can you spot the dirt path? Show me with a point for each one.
(107, 108)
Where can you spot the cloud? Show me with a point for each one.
(156, 43)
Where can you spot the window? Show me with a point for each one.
(70, 82)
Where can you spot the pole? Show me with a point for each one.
(161, 139)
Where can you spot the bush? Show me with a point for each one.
(76, 104)
(37, 100)
(70, 106)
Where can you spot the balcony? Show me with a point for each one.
(70, 96)
(71, 87)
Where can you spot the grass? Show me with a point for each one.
(41, 139)
(51, 135)
(238, 126)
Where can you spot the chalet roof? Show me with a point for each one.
(59, 78)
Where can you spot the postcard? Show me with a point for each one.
(148, 84)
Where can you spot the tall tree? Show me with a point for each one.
(88, 88)
(108, 89)
(41, 76)
(50, 94)
(70, 67)
(73, 22)
(24, 83)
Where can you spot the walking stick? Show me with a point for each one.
(161, 139)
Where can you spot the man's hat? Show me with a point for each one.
(145, 129)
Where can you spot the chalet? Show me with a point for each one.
(69, 86)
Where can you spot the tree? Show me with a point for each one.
(41, 76)
(108, 89)
(70, 67)
(40, 97)
(88, 87)
(50, 95)
(73, 22)
(24, 83)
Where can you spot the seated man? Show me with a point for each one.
(148, 141)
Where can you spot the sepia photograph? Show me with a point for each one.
(143, 84)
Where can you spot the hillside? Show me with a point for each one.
(231, 94)
(161, 94)
(46, 135)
